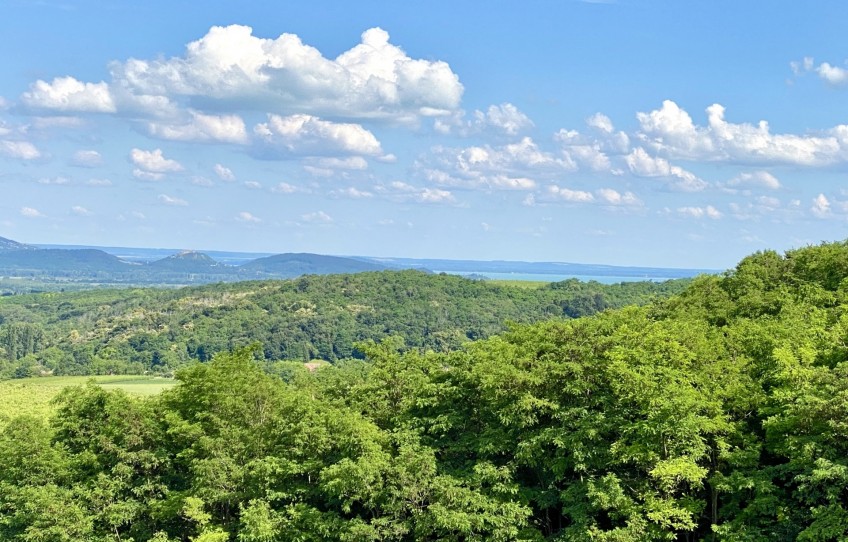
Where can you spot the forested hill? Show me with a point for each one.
(716, 415)
(313, 317)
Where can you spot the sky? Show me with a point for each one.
(676, 134)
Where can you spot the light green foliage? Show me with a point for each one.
(717, 415)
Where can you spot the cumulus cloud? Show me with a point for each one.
(671, 131)
(755, 179)
(87, 158)
(830, 74)
(700, 212)
(285, 188)
(401, 191)
(23, 150)
(31, 212)
(66, 94)
(202, 128)
(152, 165)
(79, 210)
(613, 197)
(374, 79)
(306, 135)
(244, 216)
(821, 206)
(601, 122)
(644, 165)
(319, 217)
(566, 194)
(512, 167)
(98, 182)
(224, 173)
(351, 192)
(503, 119)
(172, 201)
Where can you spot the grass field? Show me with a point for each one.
(34, 395)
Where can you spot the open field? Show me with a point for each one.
(34, 395)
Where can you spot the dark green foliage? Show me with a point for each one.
(314, 317)
(720, 414)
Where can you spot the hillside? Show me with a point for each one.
(313, 317)
(8, 244)
(295, 265)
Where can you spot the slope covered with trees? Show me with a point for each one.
(718, 414)
(314, 317)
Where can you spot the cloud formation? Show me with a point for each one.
(671, 131)
(229, 65)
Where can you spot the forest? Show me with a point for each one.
(718, 413)
(311, 318)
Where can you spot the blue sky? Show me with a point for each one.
(680, 134)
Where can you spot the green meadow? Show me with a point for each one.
(35, 395)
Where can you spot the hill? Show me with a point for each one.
(293, 265)
(8, 244)
(312, 317)
(66, 264)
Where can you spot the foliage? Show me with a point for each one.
(135, 331)
(718, 414)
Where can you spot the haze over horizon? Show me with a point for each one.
(620, 133)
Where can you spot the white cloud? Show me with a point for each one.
(306, 135)
(349, 162)
(244, 216)
(613, 197)
(172, 201)
(700, 212)
(80, 210)
(23, 150)
(153, 162)
(285, 188)
(351, 192)
(224, 173)
(821, 206)
(566, 194)
(253, 185)
(68, 94)
(755, 179)
(401, 191)
(98, 182)
(87, 158)
(670, 130)
(31, 212)
(202, 128)
(644, 165)
(503, 119)
(147, 175)
(515, 166)
(833, 75)
(317, 217)
(601, 122)
(374, 79)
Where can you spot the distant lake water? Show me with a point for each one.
(544, 277)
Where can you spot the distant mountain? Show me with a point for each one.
(8, 244)
(71, 264)
(294, 265)
(190, 261)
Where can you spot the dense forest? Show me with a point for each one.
(310, 318)
(716, 414)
